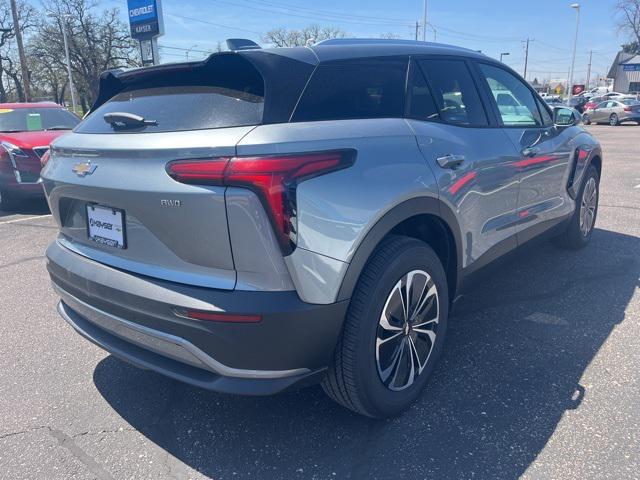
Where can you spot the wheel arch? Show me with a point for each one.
(418, 218)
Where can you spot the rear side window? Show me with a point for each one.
(369, 88)
(177, 108)
(421, 104)
(454, 92)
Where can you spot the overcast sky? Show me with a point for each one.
(492, 26)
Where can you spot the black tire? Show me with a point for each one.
(586, 120)
(574, 237)
(353, 379)
(6, 201)
(613, 120)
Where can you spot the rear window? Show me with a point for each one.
(36, 119)
(368, 88)
(177, 108)
(631, 102)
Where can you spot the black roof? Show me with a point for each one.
(283, 69)
(345, 48)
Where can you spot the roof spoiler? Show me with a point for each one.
(241, 44)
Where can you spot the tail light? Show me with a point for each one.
(274, 178)
(627, 109)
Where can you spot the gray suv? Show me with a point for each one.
(269, 219)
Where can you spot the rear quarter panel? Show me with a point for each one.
(335, 211)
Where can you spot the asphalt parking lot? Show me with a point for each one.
(540, 378)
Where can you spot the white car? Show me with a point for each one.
(614, 95)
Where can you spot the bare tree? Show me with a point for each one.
(9, 66)
(628, 12)
(98, 41)
(281, 37)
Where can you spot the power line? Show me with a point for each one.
(212, 23)
(484, 38)
(553, 47)
(327, 12)
(185, 49)
(315, 17)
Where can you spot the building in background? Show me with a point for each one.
(625, 73)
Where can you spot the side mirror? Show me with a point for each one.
(564, 117)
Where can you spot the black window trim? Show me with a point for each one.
(494, 106)
(492, 121)
(406, 58)
(414, 66)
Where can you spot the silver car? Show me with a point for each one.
(269, 219)
(613, 112)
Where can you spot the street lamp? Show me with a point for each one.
(503, 54)
(66, 51)
(189, 50)
(576, 7)
(424, 21)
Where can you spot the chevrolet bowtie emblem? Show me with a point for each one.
(84, 168)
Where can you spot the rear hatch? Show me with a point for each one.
(107, 183)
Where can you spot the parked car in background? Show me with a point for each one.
(611, 95)
(578, 102)
(595, 92)
(554, 101)
(592, 103)
(613, 112)
(267, 219)
(26, 130)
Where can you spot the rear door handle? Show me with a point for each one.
(450, 161)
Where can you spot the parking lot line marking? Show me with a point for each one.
(16, 220)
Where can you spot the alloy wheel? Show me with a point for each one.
(613, 120)
(588, 206)
(407, 330)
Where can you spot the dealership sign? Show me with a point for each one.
(633, 67)
(145, 18)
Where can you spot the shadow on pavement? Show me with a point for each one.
(31, 206)
(516, 350)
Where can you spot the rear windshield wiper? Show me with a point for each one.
(122, 120)
(11, 131)
(59, 127)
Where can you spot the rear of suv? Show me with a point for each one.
(266, 219)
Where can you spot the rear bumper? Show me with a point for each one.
(132, 317)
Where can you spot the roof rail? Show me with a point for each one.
(241, 44)
(371, 41)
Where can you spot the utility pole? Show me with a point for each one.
(424, 21)
(23, 59)
(526, 58)
(576, 7)
(417, 28)
(589, 69)
(62, 22)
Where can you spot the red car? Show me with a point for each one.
(593, 103)
(26, 130)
